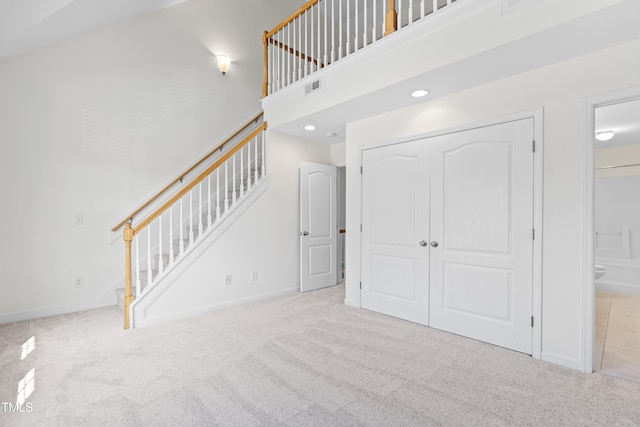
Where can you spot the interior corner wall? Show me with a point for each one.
(561, 90)
(95, 125)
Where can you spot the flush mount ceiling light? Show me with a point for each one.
(604, 135)
(419, 93)
(310, 128)
(223, 63)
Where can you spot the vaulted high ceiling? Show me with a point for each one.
(26, 25)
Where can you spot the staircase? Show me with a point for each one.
(170, 228)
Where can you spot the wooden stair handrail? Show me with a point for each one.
(185, 173)
(166, 205)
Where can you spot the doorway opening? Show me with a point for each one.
(616, 241)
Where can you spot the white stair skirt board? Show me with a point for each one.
(447, 232)
(143, 311)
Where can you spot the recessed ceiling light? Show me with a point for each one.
(419, 93)
(310, 127)
(604, 135)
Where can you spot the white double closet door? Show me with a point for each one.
(447, 237)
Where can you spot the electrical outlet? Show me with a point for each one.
(254, 276)
(227, 279)
(79, 282)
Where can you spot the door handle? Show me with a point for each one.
(423, 243)
(304, 233)
(434, 244)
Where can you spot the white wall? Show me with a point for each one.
(561, 90)
(96, 124)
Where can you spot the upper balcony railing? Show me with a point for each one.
(325, 31)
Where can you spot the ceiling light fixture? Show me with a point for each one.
(419, 93)
(223, 63)
(605, 135)
(310, 128)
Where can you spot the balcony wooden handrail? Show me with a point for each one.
(391, 18)
(291, 18)
(166, 205)
(185, 173)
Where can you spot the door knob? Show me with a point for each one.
(423, 243)
(304, 233)
(434, 244)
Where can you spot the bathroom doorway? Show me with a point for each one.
(617, 239)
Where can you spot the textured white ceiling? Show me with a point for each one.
(26, 25)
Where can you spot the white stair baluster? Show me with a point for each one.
(305, 64)
(435, 6)
(160, 255)
(138, 290)
(355, 42)
(191, 218)
(283, 68)
(311, 41)
(410, 13)
(241, 173)
(333, 30)
(233, 177)
(181, 224)
(171, 252)
(218, 193)
(300, 49)
(209, 220)
(262, 159)
(226, 186)
(422, 9)
(326, 35)
(249, 183)
(348, 22)
(374, 35)
(149, 270)
(319, 38)
(199, 210)
(255, 170)
(340, 30)
(365, 30)
(288, 53)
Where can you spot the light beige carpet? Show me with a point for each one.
(298, 360)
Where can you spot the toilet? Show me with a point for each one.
(600, 270)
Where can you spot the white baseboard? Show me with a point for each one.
(352, 303)
(562, 361)
(61, 309)
(617, 288)
(213, 307)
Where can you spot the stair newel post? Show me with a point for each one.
(128, 295)
(391, 18)
(265, 84)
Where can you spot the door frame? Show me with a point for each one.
(588, 220)
(538, 134)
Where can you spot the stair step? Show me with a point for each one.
(165, 260)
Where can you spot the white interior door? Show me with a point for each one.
(481, 279)
(318, 228)
(447, 235)
(395, 220)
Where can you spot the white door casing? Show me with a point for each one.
(318, 226)
(469, 195)
(395, 267)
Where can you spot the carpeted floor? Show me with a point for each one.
(298, 360)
